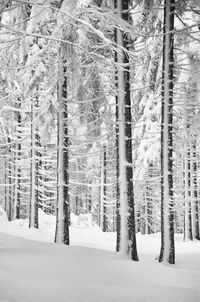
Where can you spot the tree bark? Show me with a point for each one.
(17, 200)
(33, 217)
(196, 233)
(105, 218)
(63, 201)
(167, 252)
(127, 229)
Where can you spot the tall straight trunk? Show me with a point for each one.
(190, 190)
(33, 216)
(37, 162)
(118, 227)
(105, 218)
(88, 208)
(16, 182)
(5, 189)
(32, 172)
(17, 200)
(63, 202)
(9, 175)
(195, 208)
(187, 178)
(19, 169)
(187, 228)
(101, 208)
(127, 231)
(117, 172)
(149, 202)
(167, 252)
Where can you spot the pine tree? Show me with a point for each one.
(65, 54)
(167, 252)
(62, 213)
(105, 216)
(127, 231)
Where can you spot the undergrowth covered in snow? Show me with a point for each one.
(89, 270)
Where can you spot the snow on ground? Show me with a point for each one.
(89, 270)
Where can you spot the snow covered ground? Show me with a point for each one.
(89, 270)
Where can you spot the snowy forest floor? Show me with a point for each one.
(89, 270)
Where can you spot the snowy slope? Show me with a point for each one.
(36, 271)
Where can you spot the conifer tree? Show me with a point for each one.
(127, 230)
(167, 252)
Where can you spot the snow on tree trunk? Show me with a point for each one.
(118, 227)
(192, 191)
(33, 217)
(187, 233)
(65, 57)
(195, 207)
(127, 231)
(5, 189)
(102, 191)
(9, 178)
(62, 211)
(16, 214)
(117, 167)
(105, 219)
(187, 212)
(167, 253)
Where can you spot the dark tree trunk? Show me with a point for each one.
(189, 194)
(105, 217)
(128, 135)
(66, 199)
(149, 202)
(167, 252)
(117, 152)
(9, 213)
(196, 234)
(5, 189)
(18, 158)
(63, 200)
(117, 165)
(33, 216)
(123, 79)
(37, 165)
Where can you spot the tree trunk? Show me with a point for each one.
(196, 233)
(105, 218)
(127, 231)
(63, 202)
(33, 217)
(17, 201)
(9, 176)
(118, 226)
(19, 169)
(167, 252)
(5, 189)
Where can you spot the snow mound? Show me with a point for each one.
(20, 222)
(3, 216)
(46, 218)
(82, 221)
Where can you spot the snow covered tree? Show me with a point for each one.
(65, 55)
(62, 214)
(126, 198)
(187, 117)
(167, 252)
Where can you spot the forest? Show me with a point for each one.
(100, 116)
(99, 150)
